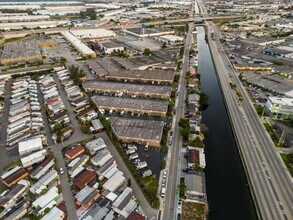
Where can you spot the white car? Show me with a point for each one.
(165, 175)
(61, 171)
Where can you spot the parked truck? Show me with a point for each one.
(132, 151)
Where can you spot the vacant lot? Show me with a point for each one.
(193, 211)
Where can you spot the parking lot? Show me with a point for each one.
(63, 49)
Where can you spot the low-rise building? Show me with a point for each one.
(86, 197)
(114, 182)
(29, 145)
(138, 131)
(42, 168)
(279, 108)
(125, 204)
(79, 45)
(47, 201)
(44, 182)
(9, 199)
(170, 39)
(95, 145)
(137, 106)
(195, 187)
(13, 176)
(55, 213)
(84, 178)
(74, 152)
(110, 47)
(34, 158)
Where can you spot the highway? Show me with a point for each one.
(171, 197)
(269, 179)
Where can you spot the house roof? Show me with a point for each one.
(193, 156)
(85, 177)
(77, 150)
(135, 216)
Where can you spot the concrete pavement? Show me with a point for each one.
(268, 178)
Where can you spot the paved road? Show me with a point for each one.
(272, 186)
(171, 197)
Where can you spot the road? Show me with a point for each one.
(268, 178)
(171, 196)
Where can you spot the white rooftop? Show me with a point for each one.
(95, 33)
(29, 144)
(77, 43)
(55, 214)
(46, 198)
(282, 101)
(171, 37)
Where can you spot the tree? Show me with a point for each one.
(89, 12)
(185, 133)
(164, 45)
(76, 74)
(129, 182)
(147, 52)
(203, 101)
(63, 60)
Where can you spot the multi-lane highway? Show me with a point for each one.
(269, 180)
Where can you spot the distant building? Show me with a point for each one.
(92, 33)
(279, 108)
(170, 39)
(95, 145)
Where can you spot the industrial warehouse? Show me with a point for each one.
(79, 45)
(138, 131)
(146, 76)
(127, 88)
(138, 106)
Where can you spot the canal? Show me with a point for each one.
(228, 194)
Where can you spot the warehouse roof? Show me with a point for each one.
(78, 44)
(95, 33)
(125, 87)
(152, 75)
(143, 129)
(130, 104)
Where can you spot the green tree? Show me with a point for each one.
(203, 101)
(89, 12)
(76, 74)
(164, 45)
(147, 52)
(129, 182)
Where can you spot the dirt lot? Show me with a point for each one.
(193, 211)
